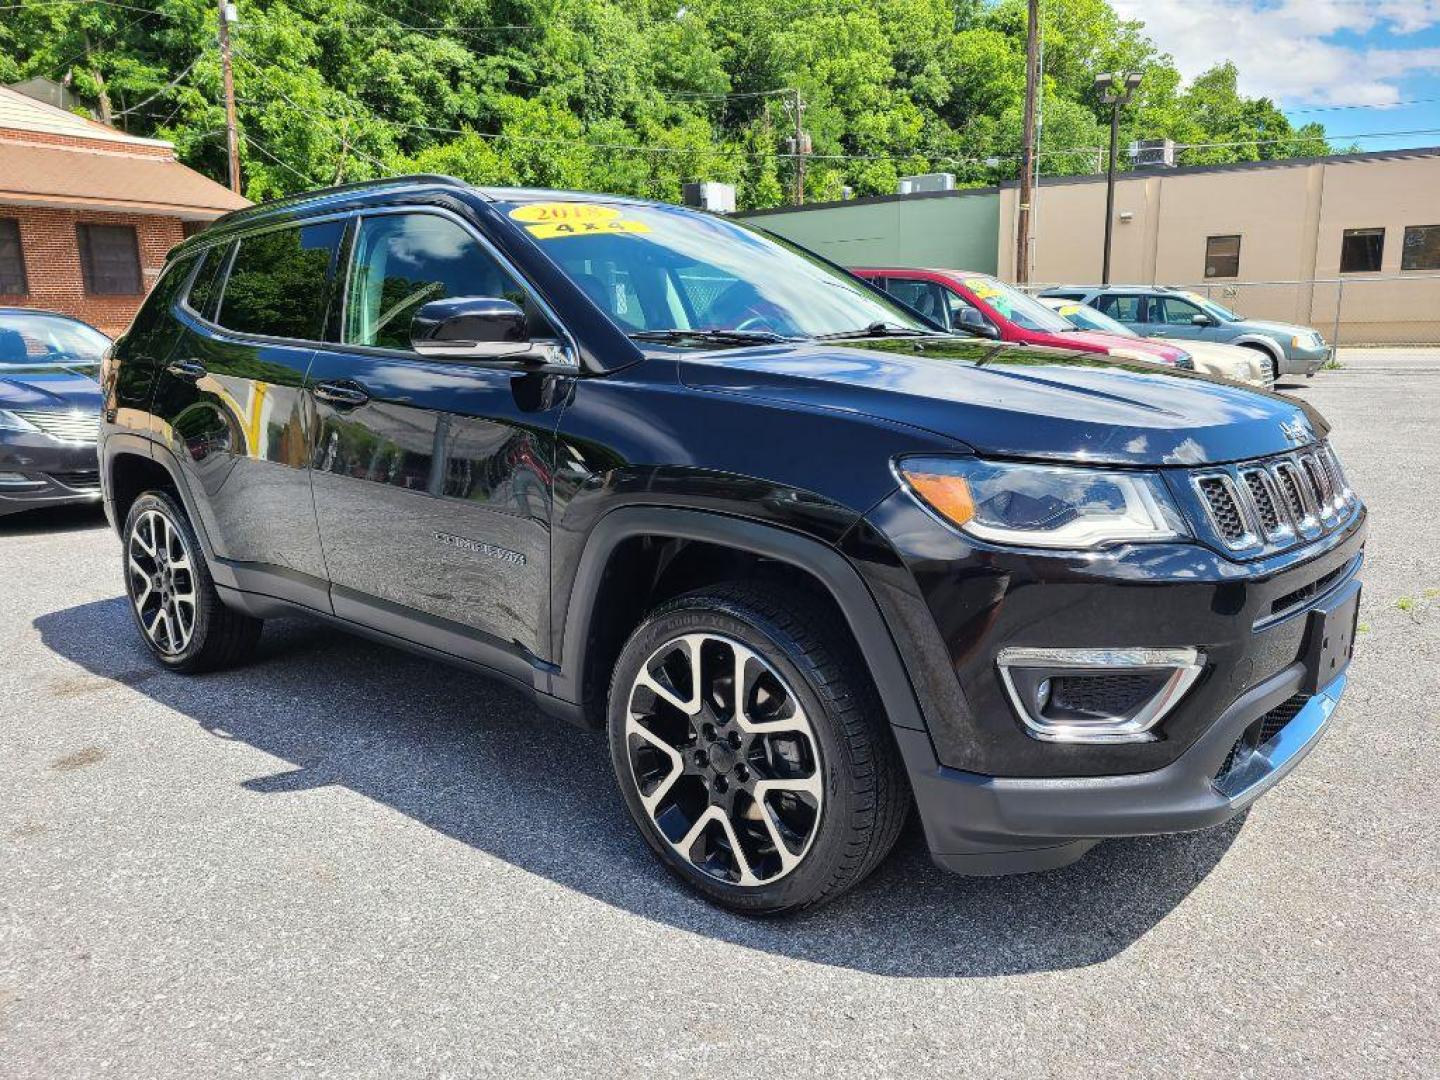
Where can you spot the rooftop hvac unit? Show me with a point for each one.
(1153, 153)
(709, 195)
(935, 181)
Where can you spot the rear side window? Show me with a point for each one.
(277, 284)
(403, 262)
(1121, 306)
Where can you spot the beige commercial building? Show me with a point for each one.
(1283, 240)
(1353, 235)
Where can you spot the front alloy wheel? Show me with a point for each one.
(724, 758)
(752, 749)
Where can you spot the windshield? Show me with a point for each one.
(1219, 311)
(1087, 318)
(29, 339)
(1020, 308)
(656, 270)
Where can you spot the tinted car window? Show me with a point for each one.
(404, 261)
(1122, 306)
(276, 284)
(206, 286)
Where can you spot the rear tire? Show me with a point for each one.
(805, 775)
(172, 596)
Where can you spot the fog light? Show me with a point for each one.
(1096, 695)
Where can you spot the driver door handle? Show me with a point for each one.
(344, 394)
(187, 369)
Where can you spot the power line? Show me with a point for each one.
(283, 164)
(166, 88)
(1348, 108)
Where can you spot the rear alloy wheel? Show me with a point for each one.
(172, 596)
(752, 751)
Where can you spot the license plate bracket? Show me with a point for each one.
(1330, 640)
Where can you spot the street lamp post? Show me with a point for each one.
(1116, 88)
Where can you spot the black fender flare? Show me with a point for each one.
(831, 568)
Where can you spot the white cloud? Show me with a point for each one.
(1282, 51)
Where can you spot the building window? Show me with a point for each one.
(1222, 256)
(1361, 251)
(110, 260)
(12, 260)
(1419, 251)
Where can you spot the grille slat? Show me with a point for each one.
(66, 426)
(1225, 509)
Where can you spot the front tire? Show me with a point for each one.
(172, 596)
(779, 797)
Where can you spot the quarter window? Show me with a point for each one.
(12, 260)
(277, 282)
(109, 260)
(1361, 250)
(1222, 256)
(1420, 250)
(404, 261)
(206, 286)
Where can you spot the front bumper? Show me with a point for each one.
(1304, 361)
(52, 473)
(993, 825)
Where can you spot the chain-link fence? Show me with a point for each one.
(1362, 309)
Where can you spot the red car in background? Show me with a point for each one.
(981, 304)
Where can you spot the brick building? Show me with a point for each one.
(88, 213)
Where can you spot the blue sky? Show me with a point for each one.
(1370, 65)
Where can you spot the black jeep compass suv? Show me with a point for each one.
(810, 561)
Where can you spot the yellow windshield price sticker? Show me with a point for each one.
(983, 289)
(1070, 309)
(553, 220)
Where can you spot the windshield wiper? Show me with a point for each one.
(878, 330)
(736, 337)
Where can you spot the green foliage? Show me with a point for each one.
(633, 96)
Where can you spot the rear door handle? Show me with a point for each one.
(187, 369)
(345, 395)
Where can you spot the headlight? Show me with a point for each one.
(10, 422)
(1312, 340)
(1049, 506)
(1136, 354)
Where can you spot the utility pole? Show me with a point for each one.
(801, 149)
(232, 147)
(1027, 152)
(1116, 89)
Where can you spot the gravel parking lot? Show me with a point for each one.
(344, 860)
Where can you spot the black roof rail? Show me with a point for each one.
(305, 198)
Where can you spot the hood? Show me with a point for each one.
(1020, 402)
(46, 386)
(1284, 329)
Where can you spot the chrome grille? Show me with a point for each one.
(72, 426)
(1267, 505)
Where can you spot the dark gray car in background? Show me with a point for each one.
(49, 409)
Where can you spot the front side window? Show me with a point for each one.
(1420, 250)
(1361, 250)
(109, 259)
(403, 262)
(12, 260)
(1222, 256)
(660, 270)
(1172, 311)
(277, 282)
(925, 297)
(1124, 307)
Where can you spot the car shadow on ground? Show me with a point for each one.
(477, 762)
(53, 519)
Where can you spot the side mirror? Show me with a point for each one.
(972, 320)
(1202, 320)
(471, 328)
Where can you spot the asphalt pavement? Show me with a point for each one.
(342, 860)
